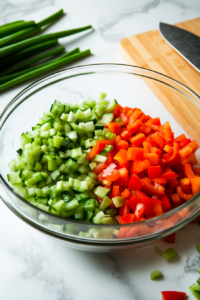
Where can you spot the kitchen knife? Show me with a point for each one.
(184, 42)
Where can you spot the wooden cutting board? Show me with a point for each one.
(149, 50)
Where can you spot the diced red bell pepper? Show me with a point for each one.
(146, 147)
(124, 179)
(191, 147)
(111, 174)
(154, 189)
(166, 204)
(169, 176)
(126, 194)
(158, 140)
(188, 172)
(125, 135)
(129, 113)
(174, 154)
(159, 180)
(101, 144)
(191, 159)
(156, 150)
(124, 118)
(122, 145)
(170, 238)
(99, 168)
(195, 185)
(172, 295)
(134, 183)
(167, 133)
(153, 122)
(135, 153)
(185, 197)
(135, 116)
(124, 210)
(175, 198)
(157, 210)
(180, 139)
(185, 143)
(117, 110)
(92, 153)
(153, 158)
(121, 156)
(154, 171)
(127, 219)
(134, 127)
(132, 202)
(110, 156)
(117, 139)
(168, 149)
(138, 139)
(114, 127)
(115, 191)
(139, 212)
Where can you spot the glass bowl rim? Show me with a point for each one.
(37, 82)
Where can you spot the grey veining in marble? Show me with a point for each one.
(36, 267)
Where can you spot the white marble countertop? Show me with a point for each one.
(35, 267)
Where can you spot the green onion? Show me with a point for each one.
(9, 50)
(198, 280)
(196, 294)
(32, 61)
(16, 58)
(198, 270)
(12, 23)
(155, 275)
(24, 34)
(195, 287)
(43, 70)
(158, 251)
(169, 254)
(51, 18)
(19, 35)
(20, 73)
(8, 30)
(198, 248)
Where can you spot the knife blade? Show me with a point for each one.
(184, 42)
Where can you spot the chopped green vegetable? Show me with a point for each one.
(198, 280)
(198, 270)
(198, 248)
(169, 254)
(155, 275)
(52, 170)
(196, 294)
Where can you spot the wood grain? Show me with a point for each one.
(149, 50)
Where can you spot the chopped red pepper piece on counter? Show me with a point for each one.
(172, 295)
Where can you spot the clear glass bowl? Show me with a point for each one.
(131, 86)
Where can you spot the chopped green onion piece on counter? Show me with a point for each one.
(169, 254)
(196, 294)
(195, 287)
(198, 280)
(198, 270)
(155, 275)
